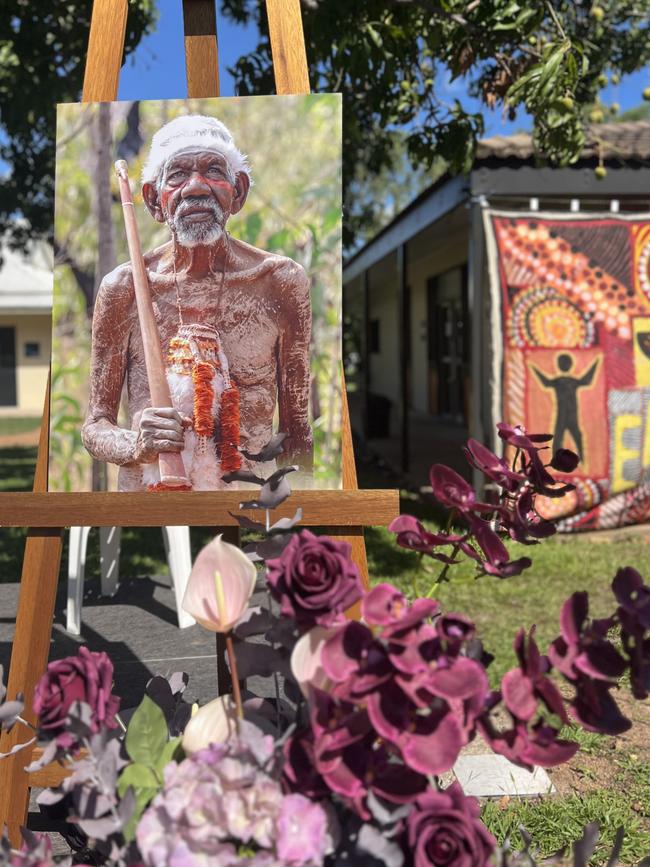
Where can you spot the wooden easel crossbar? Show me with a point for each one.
(46, 514)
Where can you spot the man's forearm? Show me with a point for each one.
(108, 442)
(298, 448)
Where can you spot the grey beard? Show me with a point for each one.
(199, 234)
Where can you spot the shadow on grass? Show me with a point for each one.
(385, 558)
(17, 465)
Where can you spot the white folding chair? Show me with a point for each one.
(179, 558)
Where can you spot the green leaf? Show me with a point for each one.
(253, 227)
(145, 785)
(374, 35)
(147, 733)
(138, 777)
(168, 753)
(331, 220)
(143, 797)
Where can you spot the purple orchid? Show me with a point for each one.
(492, 466)
(524, 522)
(497, 559)
(420, 694)
(451, 489)
(350, 760)
(565, 461)
(515, 435)
(529, 697)
(634, 616)
(428, 741)
(585, 657)
(412, 534)
(299, 769)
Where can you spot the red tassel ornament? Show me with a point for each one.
(229, 430)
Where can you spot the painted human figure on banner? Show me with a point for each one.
(234, 324)
(573, 293)
(566, 392)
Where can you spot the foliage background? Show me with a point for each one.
(294, 147)
(42, 58)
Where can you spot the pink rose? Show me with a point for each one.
(88, 678)
(314, 579)
(444, 830)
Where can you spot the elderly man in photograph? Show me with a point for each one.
(234, 324)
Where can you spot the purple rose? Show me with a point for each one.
(314, 580)
(88, 678)
(444, 830)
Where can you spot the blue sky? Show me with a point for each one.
(157, 70)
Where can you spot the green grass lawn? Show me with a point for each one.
(11, 426)
(554, 823)
(500, 606)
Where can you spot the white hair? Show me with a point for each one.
(192, 132)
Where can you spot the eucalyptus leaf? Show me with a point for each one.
(9, 713)
(271, 450)
(267, 549)
(255, 621)
(584, 848)
(274, 493)
(618, 845)
(243, 476)
(374, 842)
(247, 524)
(260, 660)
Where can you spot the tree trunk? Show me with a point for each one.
(102, 141)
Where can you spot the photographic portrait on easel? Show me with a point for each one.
(226, 337)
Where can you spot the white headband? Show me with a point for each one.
(192, 132)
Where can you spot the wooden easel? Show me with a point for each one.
(46, 514)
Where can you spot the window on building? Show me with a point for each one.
(373, 336)
(448, 345)
(7, 366)
(32, 350)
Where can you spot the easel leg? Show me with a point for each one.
(29, 657)
(31, 645)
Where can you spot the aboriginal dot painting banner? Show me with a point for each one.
(571, 339)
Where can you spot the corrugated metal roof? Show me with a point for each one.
(628, 140)
(26, 279)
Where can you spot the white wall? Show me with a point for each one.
(31, 373)
(440, 248)
(384, 365)
(434, 251)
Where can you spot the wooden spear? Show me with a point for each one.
(172, 470)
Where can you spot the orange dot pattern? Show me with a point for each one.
(541, 317)
(555, 263)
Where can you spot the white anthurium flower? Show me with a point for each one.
(306, 660)
(213, 723)
(220, 586)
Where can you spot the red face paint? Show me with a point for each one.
(214, 185)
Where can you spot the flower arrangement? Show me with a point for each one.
(343, 763)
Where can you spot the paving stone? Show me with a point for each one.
(489, 775)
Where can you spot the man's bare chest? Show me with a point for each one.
(246, 318)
